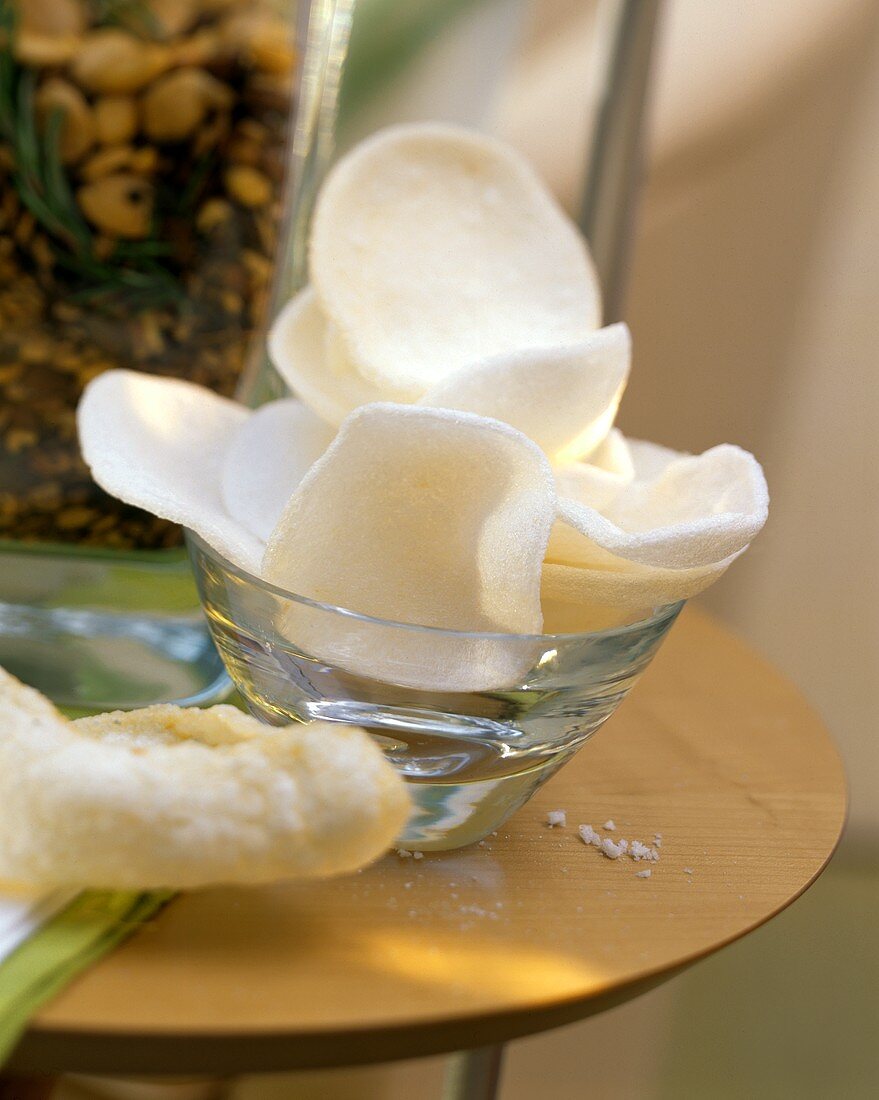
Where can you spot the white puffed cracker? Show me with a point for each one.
(434, 247)
(160, 444)
(268, 455)
(421, 516)
(614, 456)
(577, 598)
(307, 354)
(565, 398)
(418, 515)
(183, 798)
(677, 512)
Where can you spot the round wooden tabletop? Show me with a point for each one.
(713, 750)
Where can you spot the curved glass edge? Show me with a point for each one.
(324, 26)
(197, 545)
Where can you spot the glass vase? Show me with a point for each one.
(143, 179)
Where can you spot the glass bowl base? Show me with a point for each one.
(454, 815)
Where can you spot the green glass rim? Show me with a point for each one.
(161, 556)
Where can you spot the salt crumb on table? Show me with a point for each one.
(635, 849)
(588, 835)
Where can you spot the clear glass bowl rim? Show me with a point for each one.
(660, 614)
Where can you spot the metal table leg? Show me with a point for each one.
(613, 174)
(474, 1074)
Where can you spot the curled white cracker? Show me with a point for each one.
(421, 516)
(306, 353)
(170, 797)
(564, 398)
(577, 598)
(268, 455)
(434, 247)
(614, 456)
(159, 444)
(677, 512)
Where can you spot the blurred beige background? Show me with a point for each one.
(752, 304)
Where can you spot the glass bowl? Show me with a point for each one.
(474, 722)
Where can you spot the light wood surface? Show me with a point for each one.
(714, 750)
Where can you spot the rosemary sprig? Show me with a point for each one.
(133, 15)
(132, 273)
(184, 204)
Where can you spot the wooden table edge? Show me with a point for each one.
(67, 1050)
(54, 1049)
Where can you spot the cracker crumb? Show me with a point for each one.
(634, 849)
(557, 818)
(476, 911)
(404, 853)
(611, 850)
(418, 855)
(646, 873)
(688, 870)
(588, 835)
